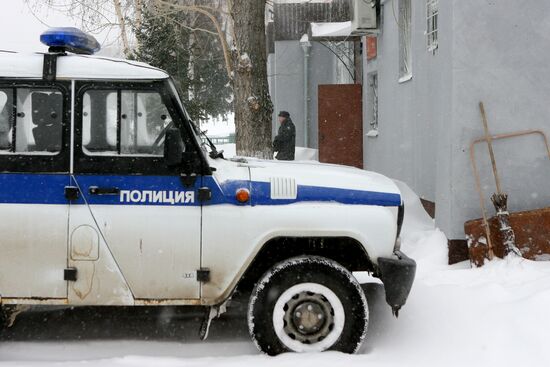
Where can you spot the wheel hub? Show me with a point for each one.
(309, 317)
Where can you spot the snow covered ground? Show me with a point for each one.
(455, 316)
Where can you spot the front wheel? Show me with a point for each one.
(308, 304)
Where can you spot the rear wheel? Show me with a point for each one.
(308, 304)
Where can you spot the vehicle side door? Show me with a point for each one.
(34, 173)
(149, 218)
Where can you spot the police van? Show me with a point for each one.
(108, 196)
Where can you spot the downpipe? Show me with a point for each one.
(306, 47)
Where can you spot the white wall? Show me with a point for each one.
(495, 51)
(502, 58)
(413, 115)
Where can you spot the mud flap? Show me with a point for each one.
(397, 273)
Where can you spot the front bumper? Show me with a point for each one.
(397, 273)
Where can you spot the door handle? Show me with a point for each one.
(94, 190)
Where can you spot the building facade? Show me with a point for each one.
(435, 61)
(290, 78)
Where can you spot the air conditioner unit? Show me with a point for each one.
(363, 17)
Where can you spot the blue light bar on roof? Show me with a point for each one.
(70, 39)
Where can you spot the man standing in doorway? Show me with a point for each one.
(285, 141)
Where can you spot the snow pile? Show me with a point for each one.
(496, 315)
(458, 316)
(302, 154)
(307, 154)
(229, 150)
(219, 126)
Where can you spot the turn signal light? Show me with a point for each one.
(243, 195)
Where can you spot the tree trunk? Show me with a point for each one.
(138, 10)
(138, 6)
(253, 107)
(122, 24)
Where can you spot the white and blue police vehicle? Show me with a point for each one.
(109, 197)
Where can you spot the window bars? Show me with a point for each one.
(373, 100)
(432, 12)
(405, 59)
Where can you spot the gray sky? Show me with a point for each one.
(20, 30)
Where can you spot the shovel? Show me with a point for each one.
(499, 199)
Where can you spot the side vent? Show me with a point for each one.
(283, 188)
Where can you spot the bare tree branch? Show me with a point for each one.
(221, 35)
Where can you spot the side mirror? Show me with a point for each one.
(173, 147)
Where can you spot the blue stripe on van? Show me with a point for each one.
(261, 195)
(18, 188)
(49, 189)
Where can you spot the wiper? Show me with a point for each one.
(214, 154)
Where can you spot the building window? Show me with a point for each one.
(432, 12)
(405, 65)
(372, 104)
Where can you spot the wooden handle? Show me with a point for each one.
(490, 146)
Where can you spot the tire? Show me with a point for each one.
(307, 304)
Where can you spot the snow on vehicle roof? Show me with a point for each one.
(71, 66)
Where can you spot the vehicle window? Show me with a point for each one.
(6, 119)
(31, 121)
(124, 123)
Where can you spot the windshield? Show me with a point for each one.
(205, 143)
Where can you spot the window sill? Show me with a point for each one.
(405, 78)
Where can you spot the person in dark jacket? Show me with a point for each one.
(285, 141)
